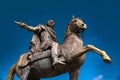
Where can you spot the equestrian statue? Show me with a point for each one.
(46, 58)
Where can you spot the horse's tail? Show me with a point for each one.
(11, 73)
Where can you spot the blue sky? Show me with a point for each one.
(101, 16)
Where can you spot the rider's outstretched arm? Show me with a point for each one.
(30, 28)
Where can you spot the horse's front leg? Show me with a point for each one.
(74, 73)
(81, 51)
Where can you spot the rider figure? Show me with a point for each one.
(47, 39)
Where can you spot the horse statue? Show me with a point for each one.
(71, 52)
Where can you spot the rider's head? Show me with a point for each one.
(50, 23)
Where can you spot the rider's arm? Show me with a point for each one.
(23, 25)
(31, 28)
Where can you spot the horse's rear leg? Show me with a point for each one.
(74, 74)
(25, 73)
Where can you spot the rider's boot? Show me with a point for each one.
(56, 61)
(54, 54)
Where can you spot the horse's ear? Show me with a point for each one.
(73, 17)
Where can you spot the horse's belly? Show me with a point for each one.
(43, 64)
(45, 69)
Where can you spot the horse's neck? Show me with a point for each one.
(71, 43)
(73, 35)
(74, 39)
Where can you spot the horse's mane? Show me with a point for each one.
(68, 31)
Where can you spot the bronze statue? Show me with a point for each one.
(71, 52)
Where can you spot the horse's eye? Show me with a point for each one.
(82, 24)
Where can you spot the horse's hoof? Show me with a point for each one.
(106, 58)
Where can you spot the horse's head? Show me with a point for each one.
(75, 26)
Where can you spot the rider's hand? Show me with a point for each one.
(20, 23)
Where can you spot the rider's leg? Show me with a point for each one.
(54, 54)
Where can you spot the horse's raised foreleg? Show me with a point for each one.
(102, 53)
(81, 51)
